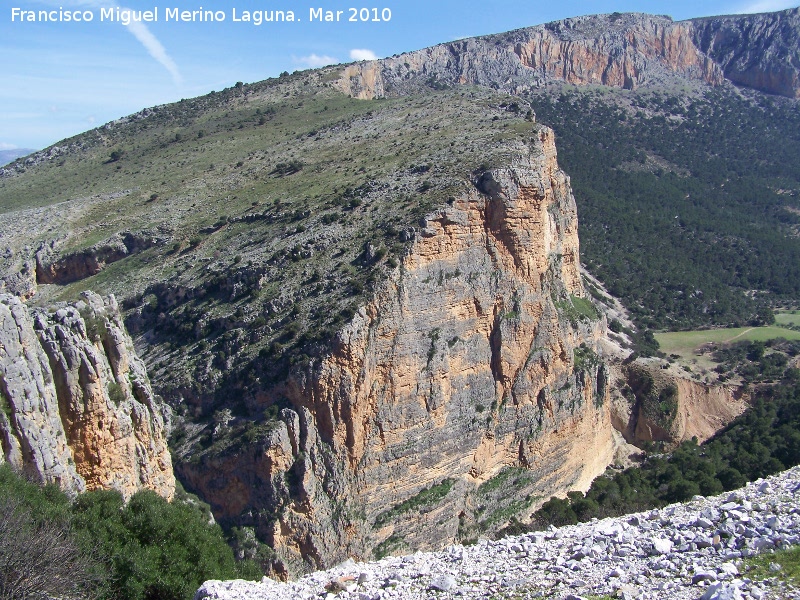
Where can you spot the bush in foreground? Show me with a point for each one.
(101, 547)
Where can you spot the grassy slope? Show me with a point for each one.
(790, 317)
(684, 343)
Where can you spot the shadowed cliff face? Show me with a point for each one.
(757, 51)
(619, 50)
(78, 409)
(472, 357)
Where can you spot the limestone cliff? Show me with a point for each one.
(620, 50)
(478, 354)
(757, 51)
(78, 409)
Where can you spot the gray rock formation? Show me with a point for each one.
(621, 50)
(77, 405)
(33, 437)
(51, 267)
(757, 51)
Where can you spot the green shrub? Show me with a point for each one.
(115, 393)
(5, 406)
(426, 497)
(147, 549)
(152, 548)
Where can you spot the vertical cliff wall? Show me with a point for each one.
(758, 51)
(77, 405)
(477, 355)
(620, 50)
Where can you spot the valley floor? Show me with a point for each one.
(695, 550)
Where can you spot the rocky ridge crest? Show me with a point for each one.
(620, 50)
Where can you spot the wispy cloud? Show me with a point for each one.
(760, 6)
(156, 50)
(314, 61)
(6, 146)
(139, 30)
(362, 54)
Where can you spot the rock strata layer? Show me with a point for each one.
(619, 50)
(478, 355)
(681, 552)
(77, 406)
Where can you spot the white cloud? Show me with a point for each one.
(6, 146)
(156, 50)
(314, 61)
(760, 6)
(140, 32)
(362, 54)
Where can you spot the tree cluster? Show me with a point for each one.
(683, 203)
(98, 546)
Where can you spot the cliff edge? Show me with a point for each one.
(77, 406)
(478, 355)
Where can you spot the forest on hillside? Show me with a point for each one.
(688, 203)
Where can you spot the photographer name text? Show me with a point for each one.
(158, 14)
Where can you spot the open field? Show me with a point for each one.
(789, 317)
(685, 343)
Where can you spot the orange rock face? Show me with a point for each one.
(81, 412)
(468, 359)
(623, 59)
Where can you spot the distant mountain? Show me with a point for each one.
(630, 50)
(7, 156)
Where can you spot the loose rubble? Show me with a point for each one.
(683, 551)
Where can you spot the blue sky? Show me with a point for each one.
(59, 79)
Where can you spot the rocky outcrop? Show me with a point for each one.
(32, 435)
(78, 409)
(758, 51)
(683, 551)
(20, 281)
(620, 50)
(74, 266)
(478, 354)
(664, 407)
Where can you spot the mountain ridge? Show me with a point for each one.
(305, 291)
(619, 49)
